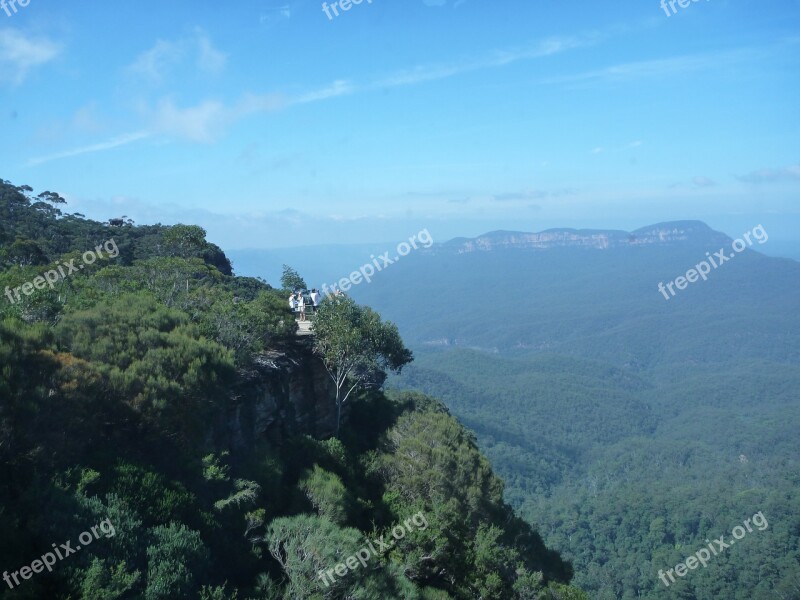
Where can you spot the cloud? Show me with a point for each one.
(701, 181)
(156, 64)
(209, 59)
(207, 120)
(199, 123)
(601, 149)
(500, 58)
(790, 173)
(653, 69)
(516, 196)
(337, 88)
(528, 195)
(19, 54)
(274, 14)
(85, 120)
(116, 142)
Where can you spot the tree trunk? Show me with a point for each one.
(338, 409)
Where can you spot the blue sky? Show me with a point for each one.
(271, 125)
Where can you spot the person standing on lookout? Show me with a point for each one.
(301, 306)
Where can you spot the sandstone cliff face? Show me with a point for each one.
(660, 234)
(288, 392)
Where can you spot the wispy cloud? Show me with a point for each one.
(19, 54)
(434, 72)
(702, 181)
(500, 58)
(116, 142)
(337, 88)
(273, 14)
(528, 195)
(790, 173)
(156, 64)
(655, 68)
(209, 59)
(205, 121)
(199, 123)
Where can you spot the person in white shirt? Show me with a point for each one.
(301, 306)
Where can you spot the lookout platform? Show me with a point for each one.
(304, 328)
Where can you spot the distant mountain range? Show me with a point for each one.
(580, 291)
(324, 263)
(660, 234)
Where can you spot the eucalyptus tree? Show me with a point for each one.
(356, 347)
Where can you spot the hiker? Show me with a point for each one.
(301, 306)
(315, 299)
(293, 303)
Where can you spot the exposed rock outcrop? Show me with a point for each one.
(287, 392)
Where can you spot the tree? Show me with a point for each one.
(328, 494)
(24, 252)
(185, 241)
(291, 280)
(246, 327)
(52, 197)
(176, 560)
(154, 359)
(107, 582)
(307, 545)
(356, 347)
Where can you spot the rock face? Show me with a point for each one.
(659, 234)
(288, 392)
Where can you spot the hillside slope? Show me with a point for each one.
(163, 411)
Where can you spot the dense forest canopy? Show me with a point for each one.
(628, 429)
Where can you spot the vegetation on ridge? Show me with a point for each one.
(109, 384)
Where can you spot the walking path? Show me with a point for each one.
(304, 328)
